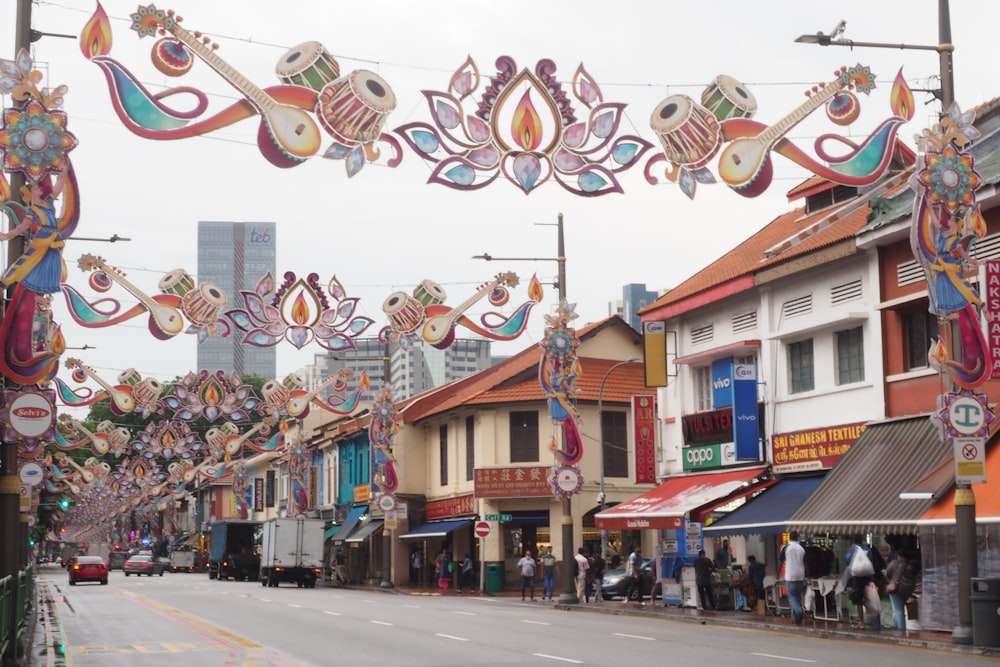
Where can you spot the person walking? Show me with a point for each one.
(340, 567)
(598, 567)
(467, 576)
(756, 573)
(582, 565)
(527, 567)
(444, 566)
(795, 575)
(703, 568)
(861, 572)
(902, 576)
(633, 575)
(416, 567)
(548, 574)
(723, 556)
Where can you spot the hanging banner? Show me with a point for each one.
(654, 340)
(746, 429)
(644, 423)
(992, 303)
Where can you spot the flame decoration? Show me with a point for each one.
(525, 129)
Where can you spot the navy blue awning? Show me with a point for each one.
(769, 511)
(435, 529)
(340, 533)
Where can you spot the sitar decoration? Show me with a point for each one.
(524, 128)
(558, 371)
(105, 439)
(423, 316)
(311, 99)
(693, 133)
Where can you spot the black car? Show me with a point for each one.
(615, 581)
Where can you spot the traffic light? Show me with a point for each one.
(64, 503)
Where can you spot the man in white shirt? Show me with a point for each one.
(582, 565)
(795, 575)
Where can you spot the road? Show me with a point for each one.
(187, 620)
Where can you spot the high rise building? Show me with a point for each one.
(234, 256)
(413, 370)
(635, 296)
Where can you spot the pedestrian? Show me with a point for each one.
(598, 566)
(633, 575)
(902, 576)
(861, 572)
(756, 573)
(795, 575)
(723, 556)
(416, 566)
(703, 569)
(548, 574)
(468, 575)
(445, 567)
(340, 567)
(582, 565)
(527, 567)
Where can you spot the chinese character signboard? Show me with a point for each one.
(513, 482)
(644, 422)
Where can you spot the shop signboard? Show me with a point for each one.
(513, 482)
(722, 382)
(704, 457)
(715, 426)
(812, 449)
(992, 304)
(644, 423)
(654, 341)
(449, 507)
(746, 429)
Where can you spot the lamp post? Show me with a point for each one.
(600, 433)
(560, 257)
(965, 500)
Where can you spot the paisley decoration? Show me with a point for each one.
(524, 128)
(212, 396)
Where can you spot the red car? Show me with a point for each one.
(88, 568)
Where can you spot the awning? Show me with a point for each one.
(987, 498)
(768, 512)
(861, 494)
(362, 533)
(666, 505)
(338, 533)
(435, 529)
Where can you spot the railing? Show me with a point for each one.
(15, 599)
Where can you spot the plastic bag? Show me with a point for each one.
(809, 599)
(873, 605)
(861, 564)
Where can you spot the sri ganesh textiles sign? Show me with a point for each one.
(812, 449)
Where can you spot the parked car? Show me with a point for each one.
(88, 568)
(615, 581)
(143, 565)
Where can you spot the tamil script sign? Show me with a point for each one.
(812, 449)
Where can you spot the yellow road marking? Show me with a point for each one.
(197, 622)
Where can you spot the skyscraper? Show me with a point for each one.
(234, 256)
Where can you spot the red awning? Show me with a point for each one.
(666, 505)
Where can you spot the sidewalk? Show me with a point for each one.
(919, 639)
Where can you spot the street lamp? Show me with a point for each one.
(601, 499)
(944, 48)
(113, 239)
(560, 257)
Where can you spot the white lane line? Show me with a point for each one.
(782, 657)
(380, 622)
(264, 600)
(622, 634)
(535, 622)
(556, 657)
(458, 639)
(411, 606)
(333, 613)
(466, 613)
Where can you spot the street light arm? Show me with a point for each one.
(600, 433)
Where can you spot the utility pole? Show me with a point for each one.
(386, 531)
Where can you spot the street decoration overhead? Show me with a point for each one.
(312, 97)
(558, 371)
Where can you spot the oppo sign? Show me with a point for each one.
(709, 456)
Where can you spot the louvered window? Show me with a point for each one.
(800, 306)
(909, 273)
(745, 322)
(702, 335)
(847, 292)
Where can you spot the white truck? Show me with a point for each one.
(182, 560)
(292, 550)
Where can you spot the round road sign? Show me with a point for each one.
(482, 529)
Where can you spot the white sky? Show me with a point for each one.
(386, 229)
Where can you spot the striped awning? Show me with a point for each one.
(861, 494)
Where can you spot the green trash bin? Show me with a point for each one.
(494, 577)
(985, 599)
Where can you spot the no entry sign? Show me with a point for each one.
(482, 529)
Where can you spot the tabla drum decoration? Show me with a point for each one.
(689, 133)
(147, 392)
(429, 293)
(728, 98)
(308, 65)
(130, 377)
(405, 313)
(276, 394)
(353, 109)
(204, 304)
(178, 282)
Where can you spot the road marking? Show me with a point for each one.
(199, 624)
(411, 606)
(556, 657)
(380, 622)
(524, 620)
(458, 639)
(296, 606)
(782, 657)
(466, 613)
(622, 634)
(333, 613)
